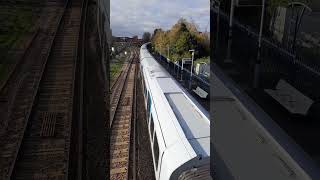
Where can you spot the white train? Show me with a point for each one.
(179, 128)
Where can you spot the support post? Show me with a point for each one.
(190, 81)
(228, 58)
(258, 60)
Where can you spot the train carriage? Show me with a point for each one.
(179, 128)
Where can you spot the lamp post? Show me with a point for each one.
(217, 27)
(168, 57)
(258, 60)
(296, 29)
(298, 20)
(228, 58)
(112, 52)
(192, 51)
(168, 52)
(160, 52)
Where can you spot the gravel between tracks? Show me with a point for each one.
(144, 156)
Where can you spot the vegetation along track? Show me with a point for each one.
(36, 133)
(121, 122)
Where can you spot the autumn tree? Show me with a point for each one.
(182, 37)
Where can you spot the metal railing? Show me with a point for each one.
(277, 60)
(183, 75)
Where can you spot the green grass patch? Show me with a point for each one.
(115, 67)
(3, 71)
(15, 22)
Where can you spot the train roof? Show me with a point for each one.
(144, 53)
(191, 117)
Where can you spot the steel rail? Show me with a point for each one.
(117, 99)
(36, 87)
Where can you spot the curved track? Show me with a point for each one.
(121, 115)
(36, 134)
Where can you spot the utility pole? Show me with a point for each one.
(217, 31)
(296, 29)
(228, 58)
(298, 22)
(190, 83)
(168, 52)
(160, 52)
(168, 57)
(258, 60)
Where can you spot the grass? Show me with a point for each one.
(116, 66)
(3, 71)
(15, 22)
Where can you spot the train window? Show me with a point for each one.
(151, 127)
(156, 151)
(148, 105)
(145, 90)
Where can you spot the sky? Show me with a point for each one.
(133, 17)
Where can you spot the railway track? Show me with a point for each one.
(124, 69)
(121, 122)
(36, 134)
(18, 93)
(117, 87)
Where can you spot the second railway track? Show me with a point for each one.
(121, 114)
(36, 138)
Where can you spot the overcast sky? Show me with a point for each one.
(133, 17)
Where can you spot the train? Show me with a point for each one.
(178, 126)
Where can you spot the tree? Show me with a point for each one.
(182, 37)
(146, 37)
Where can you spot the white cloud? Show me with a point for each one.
(133, 17)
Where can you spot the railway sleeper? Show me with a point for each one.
(119, 147)
(121, 164)
(122, 159)
(120, 126)
(120, 132)
(122, 138)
